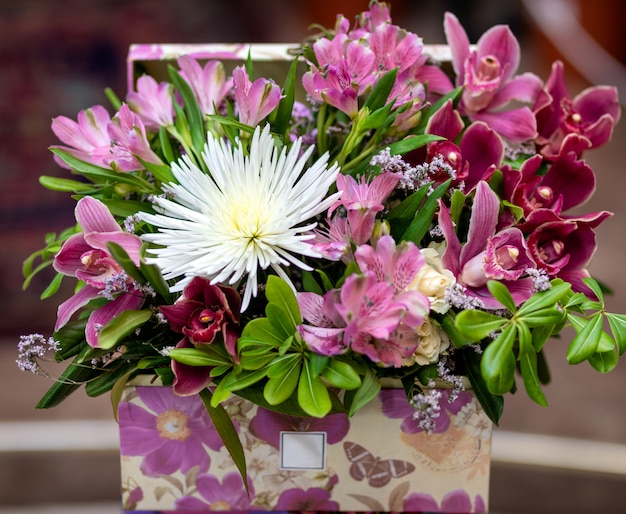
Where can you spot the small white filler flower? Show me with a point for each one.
(249, 212)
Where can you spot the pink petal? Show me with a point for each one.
(100, 317)
(500, 43)
(446, 122)
(483, 221)
(516, 125)
(129, 242)
(93, 216)
(459, 44)
(68, 260)
(72, 304)
(522, 88)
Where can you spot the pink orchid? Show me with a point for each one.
(487, 255)
(487, 75)
(208, 82)
(130, 142)
(362, 201)
(88, 138)
(591, 115)
(152, 102)
(255, 100)
(480, 149)
(85, 256)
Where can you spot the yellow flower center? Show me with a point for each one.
(172, 424)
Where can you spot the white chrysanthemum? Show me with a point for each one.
(250, 212)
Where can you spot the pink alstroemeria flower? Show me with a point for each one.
(363, 201)
(255, 100)
(592, 114)
(487, 75)
(333, 85)
(130, 142)
(85, 256)
(87, 138)
(487, 255)
(208, 82)
(152, 102)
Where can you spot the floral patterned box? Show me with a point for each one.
(379, 460)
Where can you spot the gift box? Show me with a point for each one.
(380, 459)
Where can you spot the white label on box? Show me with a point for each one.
(303, 450)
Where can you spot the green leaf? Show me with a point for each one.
(604, 361)
(370, 387)
(53, 287)
(122, 258)
(449, 325)
(501, 293)
(198, 356)
(528, 366)
(586, 341)
(111, 375)
(318, 363)
(617, 322)
(546, 317)
(227, 432)
(341, 375)
(279, 388)
(376, 119)
(193, 112)
(279, 318)
(313, 396)
(492, 404)
(285, 107)
(595, 287)
(424, 216)
(457, 202)
(309, 283)
(166, 146)
(475, 325)
(96, 172)
(256, 359)
(401, 215)
(162, 172)
(544, 299)
(411, 143)
(282, 364)
(121, 326)
(279, 292)
(260, 331)
(380, 93)
(65, 185)
(498, 363)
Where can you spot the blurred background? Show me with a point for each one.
(56, 58)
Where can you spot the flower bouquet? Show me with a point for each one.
(402, 221)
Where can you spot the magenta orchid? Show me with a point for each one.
(255, 100)
(85, 256)
(489, 85)
(591, 115)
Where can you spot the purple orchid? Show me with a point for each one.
(202, 313)
(590, 115)
(227, 495)
(487, 255)
(170, 433)
(254, 100)
(487, 76)
(87, 138)
(152, 102)
(85, 256)
(267, 426)
(208, 82)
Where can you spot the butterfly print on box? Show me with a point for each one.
(378, 472)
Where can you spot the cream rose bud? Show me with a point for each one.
(433, 341)
(433, 280)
